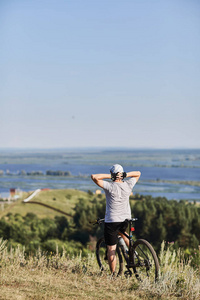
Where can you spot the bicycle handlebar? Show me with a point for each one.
(99, 221)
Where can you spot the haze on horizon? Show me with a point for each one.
(78, 74)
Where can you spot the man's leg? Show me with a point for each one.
(112, 257)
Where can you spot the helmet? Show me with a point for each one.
(114, 170)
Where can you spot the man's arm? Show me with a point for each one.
(98, 178)
(135, 174)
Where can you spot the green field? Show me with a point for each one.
(63, 200)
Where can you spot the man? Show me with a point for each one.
(117, 206)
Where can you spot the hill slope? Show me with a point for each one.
(59, 277)
(60, 200)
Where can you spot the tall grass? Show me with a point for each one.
(177, 277)
(56, 276)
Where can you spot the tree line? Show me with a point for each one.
(159, 219)
(37, 173)
(177, 223)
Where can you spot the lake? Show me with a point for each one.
(155, 166)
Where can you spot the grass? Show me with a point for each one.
(62, 277)
(64, 200)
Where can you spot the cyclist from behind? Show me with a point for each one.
(117, 206)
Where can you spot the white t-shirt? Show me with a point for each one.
(117, 200)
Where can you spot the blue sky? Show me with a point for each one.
(100, 73)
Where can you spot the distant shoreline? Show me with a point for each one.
(96, 149)
(185, 182)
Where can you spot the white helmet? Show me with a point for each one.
(116, 168)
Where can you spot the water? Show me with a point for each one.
(155, 165)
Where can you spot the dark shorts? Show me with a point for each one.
(111, 231)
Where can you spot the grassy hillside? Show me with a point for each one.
(64, 200)
(61, 277)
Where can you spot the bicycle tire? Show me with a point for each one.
(146, 264)
(101, 255)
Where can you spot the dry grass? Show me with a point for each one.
(61, 277)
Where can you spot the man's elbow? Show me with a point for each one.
(138, 175)
(93, 177)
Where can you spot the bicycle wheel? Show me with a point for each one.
(146, 265)
(102, 259)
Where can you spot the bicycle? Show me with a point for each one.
(139, 257)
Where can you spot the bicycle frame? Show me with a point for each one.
(131, 252)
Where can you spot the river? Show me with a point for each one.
(155, 166)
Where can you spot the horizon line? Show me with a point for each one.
(94, 148)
